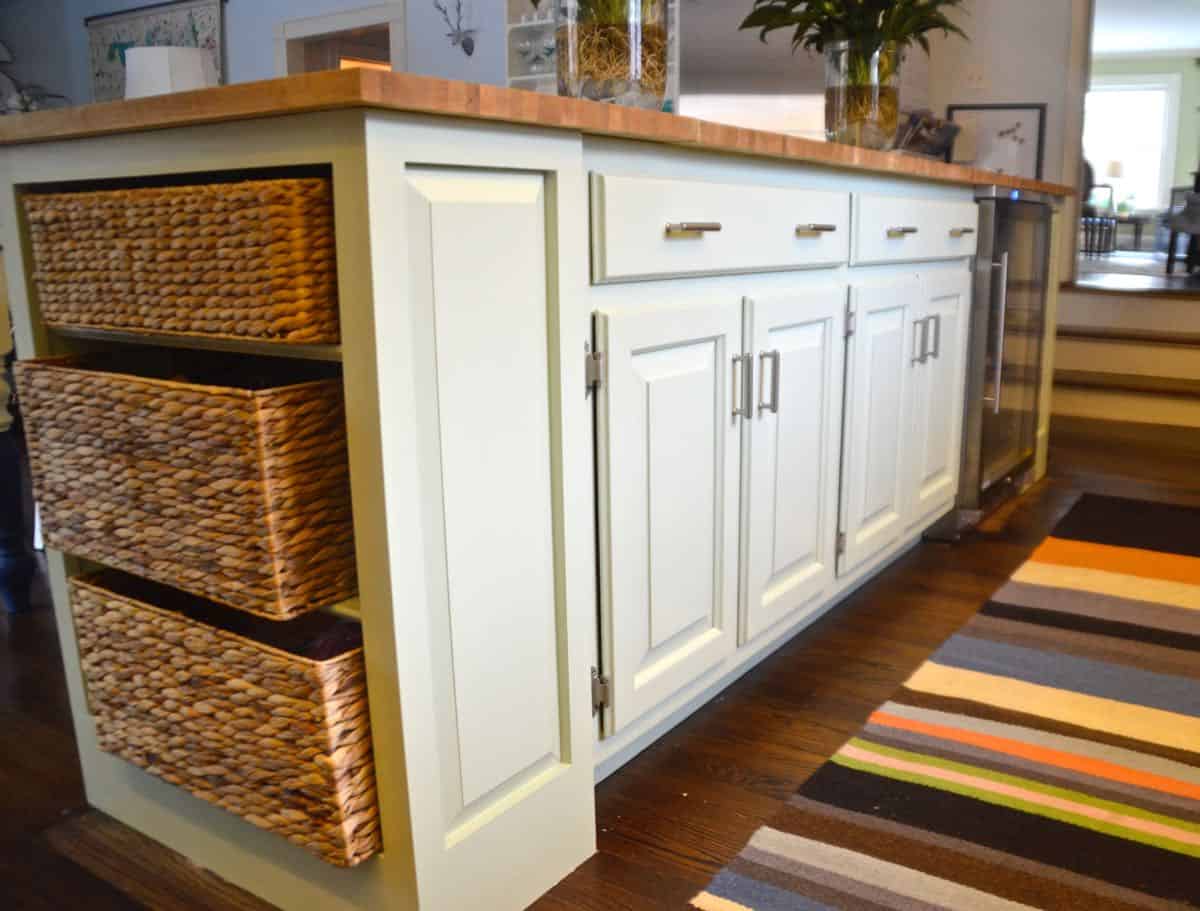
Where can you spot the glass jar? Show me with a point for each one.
(614, 51)
(862, 94)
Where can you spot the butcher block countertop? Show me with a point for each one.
(360, 88)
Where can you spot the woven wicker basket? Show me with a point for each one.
(248, 260)
(239, 493)
(283, 741)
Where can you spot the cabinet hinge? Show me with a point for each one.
(851, 321)
(595, 369)
(601, 691)
(841, 543)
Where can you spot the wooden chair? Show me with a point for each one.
(1099, 223)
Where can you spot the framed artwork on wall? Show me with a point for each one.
(1009, 138)
(183, 23)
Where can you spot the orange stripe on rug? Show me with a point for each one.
(1044, 755)
(1148, 564)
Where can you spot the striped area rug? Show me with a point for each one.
(1047, 756)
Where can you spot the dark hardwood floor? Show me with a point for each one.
(677, 813)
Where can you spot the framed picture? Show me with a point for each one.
(1009, 138)
(184, 23)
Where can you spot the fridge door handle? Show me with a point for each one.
(998, 379)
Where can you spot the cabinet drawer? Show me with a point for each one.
(892, 229)
(738, 228)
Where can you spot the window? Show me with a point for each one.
(1129, 135)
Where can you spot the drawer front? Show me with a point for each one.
(737, 228)
(894, 229)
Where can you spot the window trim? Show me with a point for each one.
(1172, 84)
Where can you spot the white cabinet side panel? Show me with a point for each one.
(493, 406)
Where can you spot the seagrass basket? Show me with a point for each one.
(220, 475)
(248, 260)
(265, 720)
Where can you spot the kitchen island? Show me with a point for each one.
(630, 400)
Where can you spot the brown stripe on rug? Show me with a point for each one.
(1025, 765)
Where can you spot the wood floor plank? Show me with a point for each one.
(143, 869)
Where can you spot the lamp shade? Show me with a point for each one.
(1116, 170)
(159, 70)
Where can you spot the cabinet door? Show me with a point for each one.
(669, 462)
(936, 395)
(798, 343)
(877, 374)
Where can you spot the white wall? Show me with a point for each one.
(33, 32)
(1019, 51)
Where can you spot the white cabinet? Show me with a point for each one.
(668, 460)
(904, 404)
(899, 229)
(790, 476)
(878, 373)
(935, 399)
(645, 227)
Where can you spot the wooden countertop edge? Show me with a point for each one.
(337, 90)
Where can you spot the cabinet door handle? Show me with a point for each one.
(692, 228)
(901, 231)
(961, 232)
(743, 403)
(936, 353)
(921, 325)
(773, 405)
(815, 230)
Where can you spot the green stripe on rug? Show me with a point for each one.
(1035, 809)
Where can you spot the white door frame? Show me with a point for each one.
(291, 35)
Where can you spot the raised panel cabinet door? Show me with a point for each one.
(669, 461)
(789, 547)
(878, 368)
(937, 392)
(511, 767)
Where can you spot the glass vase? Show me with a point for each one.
(862, 94)
(614, 51)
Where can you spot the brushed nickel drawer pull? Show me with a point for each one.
(814, 230)
(691, 228)
(961, 232)
(901, 231)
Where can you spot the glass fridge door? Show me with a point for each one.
(1014, 349)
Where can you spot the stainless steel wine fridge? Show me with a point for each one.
(1005, 351)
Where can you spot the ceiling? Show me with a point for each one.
(1147, 27)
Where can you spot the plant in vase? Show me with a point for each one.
(863, 42)
(613, 50)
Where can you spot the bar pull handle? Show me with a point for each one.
(813, 230)
(961, 232)
(773, 405)
(936, 353)
(901, 231)
(743, 402)
(692, 228)
(921, 325)
(998, 370)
